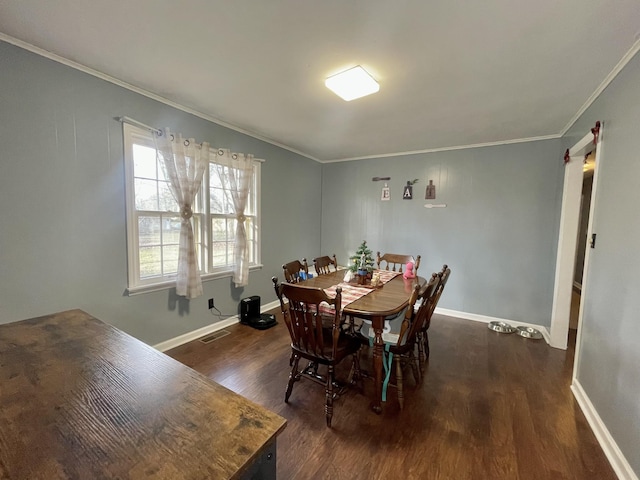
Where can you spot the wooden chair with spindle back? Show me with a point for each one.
(293, 269)
(323, 264)
(312, 340)
(396, 262)
(423, 334)
(399, 346)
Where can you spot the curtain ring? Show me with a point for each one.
(186, 143)
(186, 212)
(172, 137)
(220, 151)
(234, 156)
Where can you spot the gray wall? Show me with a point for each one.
(498, 232)
(609, 368)
(62, 221)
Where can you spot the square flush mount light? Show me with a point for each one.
(353, 83)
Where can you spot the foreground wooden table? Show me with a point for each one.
(376, 305)
(81, 399)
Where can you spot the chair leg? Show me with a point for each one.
(426, 344)
(414, 367)
(420, 342)
(399, 385)
(328, 407)
(355, 368)
(293, 377)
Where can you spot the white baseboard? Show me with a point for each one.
(195, 334)
(486, 319)
(206, 330)
(609, 446)
(214, 327)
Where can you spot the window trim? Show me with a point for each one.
(132, 135)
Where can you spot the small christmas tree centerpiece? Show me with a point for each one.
(362, 260)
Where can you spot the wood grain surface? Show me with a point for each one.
(490, 406)
(80, 399)
(392, 298)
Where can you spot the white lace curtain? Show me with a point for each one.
(184, 163)
(236, 180)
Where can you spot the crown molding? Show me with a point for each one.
(103, 76)
(605, 83)
(446, 149)
(77, 66)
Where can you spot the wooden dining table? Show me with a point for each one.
(376, 305)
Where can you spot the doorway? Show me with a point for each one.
(567, 256)
(582, 243)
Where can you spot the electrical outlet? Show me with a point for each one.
(211, 303)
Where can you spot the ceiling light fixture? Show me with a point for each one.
(353, 83)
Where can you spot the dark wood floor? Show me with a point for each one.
(491, 406)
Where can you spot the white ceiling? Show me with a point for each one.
(451, 73)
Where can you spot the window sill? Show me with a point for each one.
(156, 287)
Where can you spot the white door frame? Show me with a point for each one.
(567, 240)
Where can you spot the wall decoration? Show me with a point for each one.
(431, 191)
(377, 179)
(408, 190)
(386, 194)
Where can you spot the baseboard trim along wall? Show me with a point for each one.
(206, 330)
(486, 319)
(609, 446)
(214, 327)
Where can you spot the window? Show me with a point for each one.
(153, 217)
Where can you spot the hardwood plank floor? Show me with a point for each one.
(490, 406)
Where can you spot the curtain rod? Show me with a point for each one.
(136, 123)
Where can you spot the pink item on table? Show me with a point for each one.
(408, 273)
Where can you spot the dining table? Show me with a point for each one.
(375, 304)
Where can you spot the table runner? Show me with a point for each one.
(352, 292)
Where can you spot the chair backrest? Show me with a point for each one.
(324, 263)
(444, 278)
(292, 270)
(303, 318)
(397, 261)
(414, 320)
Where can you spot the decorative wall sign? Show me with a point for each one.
(407, 194)
(377, 179)
(431, 191)
(386, 195)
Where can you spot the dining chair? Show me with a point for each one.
(399, 344)
(293, 269)
(397, 261)
(313, 340)
(423, 334)
(323, 264)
